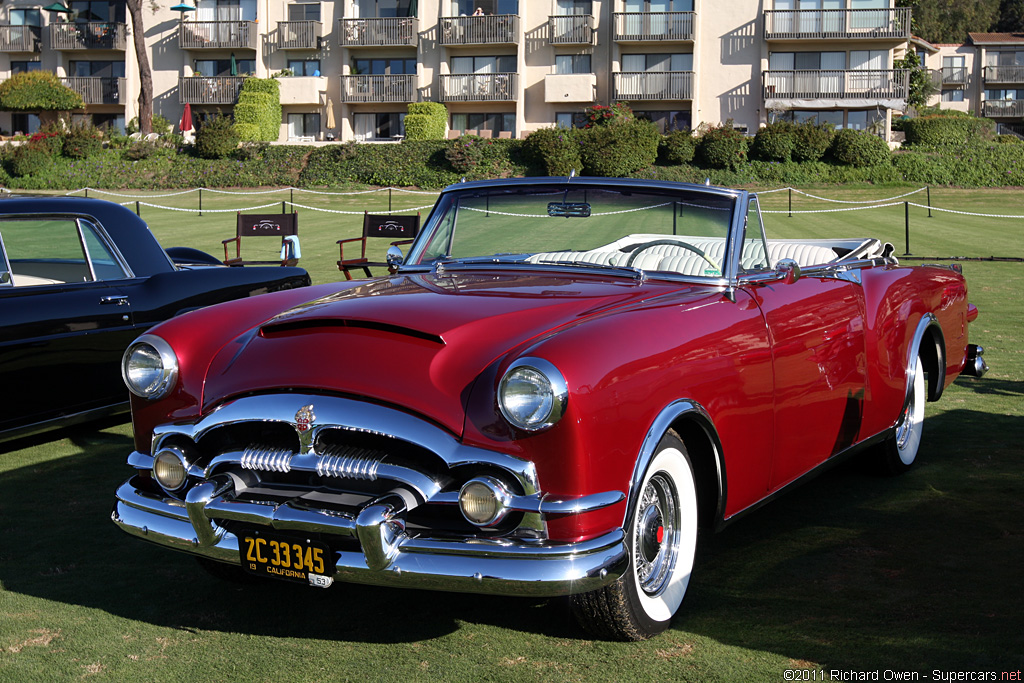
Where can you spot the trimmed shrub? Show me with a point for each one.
(1009, 140)
(32, 159)
(51, 137)
(554, 151)
(722, 146)
(143, 149)
(37, 90)
(678, 147)
(216, 138)
(811, 140)
(859, 148)
(259, 110)
(81, 141)
(426, 121)
(603, 115)
(774, 142)
(478, 157)
(946, 130)
(619, 150)
(247, 132)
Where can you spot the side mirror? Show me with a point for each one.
(788, 271)
(395, 258)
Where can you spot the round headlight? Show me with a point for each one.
(484, 501)
(532, 395)
(149, 367)
(170, 469)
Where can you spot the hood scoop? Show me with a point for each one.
(288, 328)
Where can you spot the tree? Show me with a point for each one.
(1011, 16)
(949, 21)
(920, 87)
(145, 71)
(37, 91)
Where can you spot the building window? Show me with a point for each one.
(576, 119)
(383, 8)
(225, 10)
(468, 7)
(484, 65)
(379, 67)
(953, 95)
(659, 5)
(304, 67)
(304, 11)
(573, 7)
(496, 123)
(222, 67)
(26, 17)
(105, 69)
(381, 126)
(303, 125)
(107, 122)
(24, 123)
(667, 121)
(1004, 58)
(21, 67)
(657, 62)
(572, 64)
(1008, 95)
(99, 10)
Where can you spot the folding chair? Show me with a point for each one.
(377, 225)
(282, 225)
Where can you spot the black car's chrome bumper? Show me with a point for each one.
(389, 556)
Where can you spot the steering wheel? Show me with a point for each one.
(678, 243)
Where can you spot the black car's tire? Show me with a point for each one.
(898, 452)
(662, 541)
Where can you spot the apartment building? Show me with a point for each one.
(349, 68)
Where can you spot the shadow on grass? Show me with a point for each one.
(851, 571)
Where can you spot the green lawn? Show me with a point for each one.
(850, 572)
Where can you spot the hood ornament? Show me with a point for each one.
(304, 419)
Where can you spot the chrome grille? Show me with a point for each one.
(349, 463)
(266, 459)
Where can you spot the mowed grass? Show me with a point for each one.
(851, 572)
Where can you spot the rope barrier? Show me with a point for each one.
(249, 192)
(965, 213)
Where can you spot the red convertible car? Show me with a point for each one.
(562, 381)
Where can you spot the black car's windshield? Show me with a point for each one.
(682, 232)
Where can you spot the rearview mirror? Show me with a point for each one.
(395, 258)
(788, 271)
(569, 209)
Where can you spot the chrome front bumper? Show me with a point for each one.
(389, 556)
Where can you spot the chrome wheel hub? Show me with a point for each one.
(655, 535)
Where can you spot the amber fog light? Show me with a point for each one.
(484, 501)
(170, 469)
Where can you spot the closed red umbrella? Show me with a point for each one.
(186, 119)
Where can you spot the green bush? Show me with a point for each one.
(1008, 140)
(247, 132)
(51, 137)
(419, 163)
(722, 146)
(143, 149)
(82, 140)
(259, 110)
(160, 125)
(37, 90)
(619, 150)
(603, 115)
(859, 148)
(946, 130)
(678, 147)
(216, 138)
(32, 159)
(426, 121)
(479, 158)
(811, 140)
(774, 142)
(554, 151)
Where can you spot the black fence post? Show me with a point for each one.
(137, 208)
(929, 201)
(87, 193)
(791, 202)
(906, 226)
(200, 201)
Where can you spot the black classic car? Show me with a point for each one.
(79, 280)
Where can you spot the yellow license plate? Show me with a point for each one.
(287, 558)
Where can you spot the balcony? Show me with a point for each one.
(571, 29)
(559, 88)
(479, 87)
(209, 89)
(302, 89)
(20, 38)
(499, 29)
(379, 32)
(872, 85)
(954, 75)
(832, 24)
(1003, 109)
(378, 88)
(218, 35)
(651, 27)
(299, 35)
(97, 89)
(652, 85)
(88, 35)
(1004, 74)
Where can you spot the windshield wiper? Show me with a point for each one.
(637, 273)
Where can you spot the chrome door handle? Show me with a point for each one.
(117, 300)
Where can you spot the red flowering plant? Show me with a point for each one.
(603, 115)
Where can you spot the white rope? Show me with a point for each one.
(174, 208)
(852, 208)
(142, 196)
(351, 213)
(866, 201)
(965, 213)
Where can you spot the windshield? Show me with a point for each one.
(683, 232)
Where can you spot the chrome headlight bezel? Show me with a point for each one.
(163, 378)
(551, 397)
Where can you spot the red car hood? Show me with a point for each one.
(417, 341)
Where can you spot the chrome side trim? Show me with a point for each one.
(542, 504)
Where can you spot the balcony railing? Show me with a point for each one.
(571, 29)
(653, 26)
(217, 35)
(837, 23)
(479, 87)
(954, 75)
(88, 35)
(652, 85)
(841, 84)
(299, 35)
(1003, 108)
(499, 29)
(1004, 74)
(209, 89)
(378, 88)
(97, 89)
(380, 32)
(20, 38)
